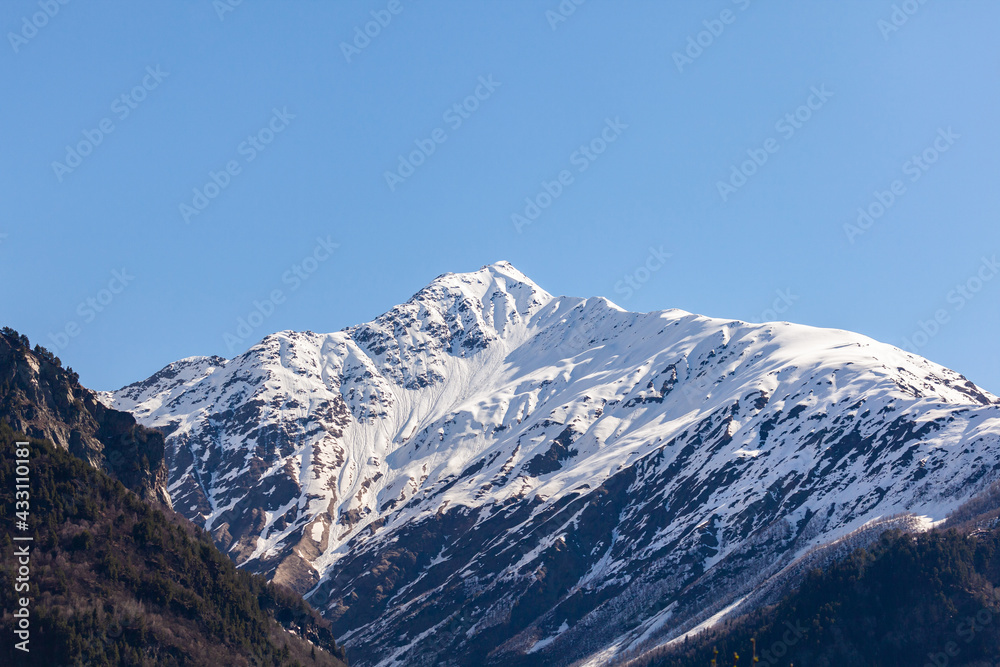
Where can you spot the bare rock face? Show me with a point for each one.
(41, 399)
(488, 474)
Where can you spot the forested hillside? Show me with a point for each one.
(115, 581)
(921, 599)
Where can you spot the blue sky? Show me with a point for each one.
(714, 154)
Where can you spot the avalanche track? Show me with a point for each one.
(488, 474)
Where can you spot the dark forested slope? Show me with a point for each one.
(931, 598)
(113, 576)
(116, 581)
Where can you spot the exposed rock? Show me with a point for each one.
(506, 477)
(40, 398)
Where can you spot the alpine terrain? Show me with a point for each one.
(96, 569)
(489, 474)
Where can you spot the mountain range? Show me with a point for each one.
(490, 474)
(96, 569)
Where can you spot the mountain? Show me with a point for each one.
(42, 399)
(110, 574)
(114, 580)
(930, 599)
(488, 474)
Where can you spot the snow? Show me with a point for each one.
(317, 531)
(542, 643)
(710, 622)
(752, 453)
(489, 367)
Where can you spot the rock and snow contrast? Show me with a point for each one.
(488, 474)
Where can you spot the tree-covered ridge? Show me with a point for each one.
(115, 581)
(42, 399)
(910, 599)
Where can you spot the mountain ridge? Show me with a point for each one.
(42, 399)
(110, 574)
(478, 413)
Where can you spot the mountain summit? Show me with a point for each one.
(488, 474)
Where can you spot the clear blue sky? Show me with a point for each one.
(551, 86)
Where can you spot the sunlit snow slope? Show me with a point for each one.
(488, 474)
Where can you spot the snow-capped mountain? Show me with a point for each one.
(488, 474)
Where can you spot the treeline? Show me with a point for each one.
(19, 339)
(909, 599)
(116, 582)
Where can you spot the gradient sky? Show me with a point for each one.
(680, 128)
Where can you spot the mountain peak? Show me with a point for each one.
(499, 276)
(507, 270)
(503, 265)
(486, 439)
(456, 315)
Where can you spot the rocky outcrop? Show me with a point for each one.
(489, 474)
(42, 399)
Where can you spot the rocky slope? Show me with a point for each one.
(115, 580)
(488, 474)
(927, 599)
(42, 399)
